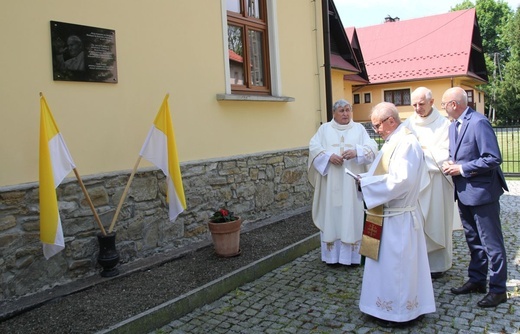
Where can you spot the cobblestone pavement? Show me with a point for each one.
(307, 296)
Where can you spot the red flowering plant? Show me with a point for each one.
(222, 216)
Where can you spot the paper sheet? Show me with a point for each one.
(349, 172)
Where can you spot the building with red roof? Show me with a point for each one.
(345, 60)
(438, 52)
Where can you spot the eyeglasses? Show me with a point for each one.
(376, 126)
(444, 104)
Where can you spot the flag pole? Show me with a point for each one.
(89, 202)
(124, 195)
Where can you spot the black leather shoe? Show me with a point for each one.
(438, 274)
(493, 299)
(388, 323)
(469, 287)
(395, 324)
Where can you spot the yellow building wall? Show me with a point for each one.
(438, 87)
(361, 110)
(341, 89)
(478, 96)
(347, 92)
(173, 47)
(338, 85)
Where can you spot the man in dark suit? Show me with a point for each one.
(475, 169)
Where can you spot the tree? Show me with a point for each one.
(509, 89)
(466, 4)
(493, 19)
(493, 16)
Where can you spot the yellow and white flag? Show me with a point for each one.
(55, 164)
(160, 149)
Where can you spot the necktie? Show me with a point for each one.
(457, 127)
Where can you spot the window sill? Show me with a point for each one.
(261, 98)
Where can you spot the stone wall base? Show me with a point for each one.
(257, 187)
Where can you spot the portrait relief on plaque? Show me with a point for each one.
(82, 53)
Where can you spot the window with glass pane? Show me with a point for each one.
(399, 97)
(406, 97)
(256, 58)
(233, 5)
(388, 96)
(248, 47)
(469, 93)
(236, 55)
(471, 100)
(254, 9)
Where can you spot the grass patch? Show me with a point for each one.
(509, 143)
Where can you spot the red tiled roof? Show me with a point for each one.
(350, 32)
(355, 78)
(235, 57)
(336, 61)
(362, 76)
(424, 48)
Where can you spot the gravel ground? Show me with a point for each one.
(113, 301)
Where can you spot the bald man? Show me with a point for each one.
(474, 166)
(436, 200)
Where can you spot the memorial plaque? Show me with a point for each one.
(82, 53)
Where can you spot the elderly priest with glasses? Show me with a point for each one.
(397, 288)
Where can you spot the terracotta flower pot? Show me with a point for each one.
(226, 237)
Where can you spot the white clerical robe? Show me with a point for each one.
(337, 208)
(436, 201)
(398, 286)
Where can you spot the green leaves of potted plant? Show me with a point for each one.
(225, 232)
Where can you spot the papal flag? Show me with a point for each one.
(160, 149)
(55, 164)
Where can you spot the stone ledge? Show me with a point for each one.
(260, 98)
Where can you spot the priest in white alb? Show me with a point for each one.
(396, 288)
(337, 208)
(437, 205)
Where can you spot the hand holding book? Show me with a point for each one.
(357, 178)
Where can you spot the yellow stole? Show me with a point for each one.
(373, 228)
